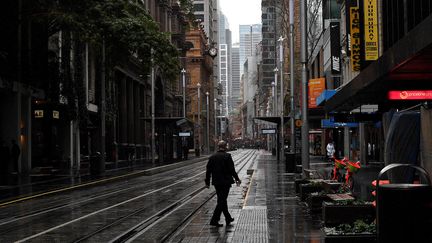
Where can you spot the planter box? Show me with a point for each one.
(306, 189)
(334, 214)
(299, 182)
(331, 186)
(315, 202)
(355, 238)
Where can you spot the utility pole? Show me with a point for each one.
(282, 98)
(183, 71)
(153, 144)
(103, 113)
(208, 123)
(292, 117)
(303, 58)
(199, 118)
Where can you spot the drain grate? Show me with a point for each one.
(252, 225)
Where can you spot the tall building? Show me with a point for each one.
(235, 77)
(250, 37)
(206, 13)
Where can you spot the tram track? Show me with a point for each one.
(143, 227)
(150, 221)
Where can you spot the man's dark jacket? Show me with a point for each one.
(220, 168)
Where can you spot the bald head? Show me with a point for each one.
(222, 145)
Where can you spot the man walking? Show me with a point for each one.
(220, 168)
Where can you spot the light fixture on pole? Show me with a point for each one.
(183, 71)
(280, 40)
(199, 118)
(208, 123)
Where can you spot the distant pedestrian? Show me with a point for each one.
(220, 168)
(330, 150)
(185, 147)
(4, 157)
(15, 153)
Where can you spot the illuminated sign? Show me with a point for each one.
(268, 131)
(38, 113)
(316, 87)
(355, 39)
(410, 95)
(371, 30)
(184, 134)
(335, 47)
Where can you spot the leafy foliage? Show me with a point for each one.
(125, 26)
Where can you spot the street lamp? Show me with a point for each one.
(220, 108)
(215, 124)
(292, 106)
(183, 71)
(274, 98)
(276, 70)
(208, 123)
(280, 40)
(199, 117)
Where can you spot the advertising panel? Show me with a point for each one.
(410, 95)
(371, 30)
(355, 39)
(316, 87)
(335, 47)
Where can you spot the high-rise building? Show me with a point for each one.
(235, 77)
(250, 37)
(206, 13)
(224, 58)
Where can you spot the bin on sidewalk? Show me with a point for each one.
(95, 162)
(290, 162)
(404, 210)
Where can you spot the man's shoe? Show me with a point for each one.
(216, 224)
(229, 221)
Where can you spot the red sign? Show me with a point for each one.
(316, 87)
(410, 95)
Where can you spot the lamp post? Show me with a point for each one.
(199, 118)
(220, 108)
(152, 111)
(274, 98)
(303, 60)
(183, 71)
(292, 105)
(282, 99)
(215, 123)
(276, 70)
(208, 123)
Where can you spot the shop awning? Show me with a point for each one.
(407, 65)
(273, 119)
(325, 95)
(330, 123)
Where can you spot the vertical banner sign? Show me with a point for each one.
(355, 39)
(316, 87)
(371, 30)
(348, 5)
(335, 47)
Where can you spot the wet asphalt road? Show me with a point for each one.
(147, 208)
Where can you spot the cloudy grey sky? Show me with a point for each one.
(241, 12)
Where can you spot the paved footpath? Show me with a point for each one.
(265, 209)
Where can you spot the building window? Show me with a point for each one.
(199, 7)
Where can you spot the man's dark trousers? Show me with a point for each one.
(222, 192)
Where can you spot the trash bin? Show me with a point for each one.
(290, 162)
(273, 151)
(197, 152)
(404, 210)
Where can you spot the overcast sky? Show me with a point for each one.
(241, 12)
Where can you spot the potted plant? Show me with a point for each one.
(312, 186)
(358, 232)
(346, 212)
(315, 201)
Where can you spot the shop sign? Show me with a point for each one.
(348, 5)
(355, 39)
(335, 47)
(38, 113)
(268, 131)
(410, 95)
(316, 87)
(184, 134)
(371, 30)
